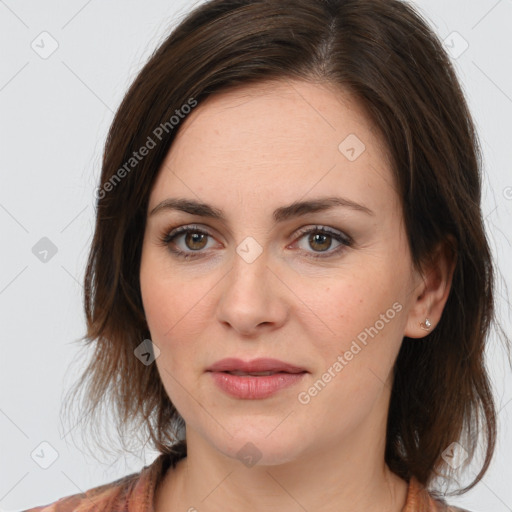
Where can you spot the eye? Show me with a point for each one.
(193, 238)
(188, 242)
(320, 238)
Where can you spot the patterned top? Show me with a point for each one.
(136, 492)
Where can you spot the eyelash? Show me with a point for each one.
(168, 237)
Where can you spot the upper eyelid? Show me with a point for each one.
(324, 229)
(179, 230)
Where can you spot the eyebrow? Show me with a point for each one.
(296, 209)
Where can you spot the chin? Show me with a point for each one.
(254, 446)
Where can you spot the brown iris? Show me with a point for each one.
(313, 239)
(197, 241)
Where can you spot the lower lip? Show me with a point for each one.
(254, 387)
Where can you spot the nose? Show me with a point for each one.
(253, 297)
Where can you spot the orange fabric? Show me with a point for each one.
(135, 493)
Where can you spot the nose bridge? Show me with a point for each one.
(249, 272)
(249, 295)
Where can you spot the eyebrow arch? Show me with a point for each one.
(296, 209)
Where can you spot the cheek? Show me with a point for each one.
(361, 306)
(174, 313)
(365, 316)
(365, 319)
(176, 309)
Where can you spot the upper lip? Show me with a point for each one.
(231, 364)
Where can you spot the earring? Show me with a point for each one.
(426, 325)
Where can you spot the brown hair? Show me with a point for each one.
(384, 54)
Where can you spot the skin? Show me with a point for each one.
(248, 151)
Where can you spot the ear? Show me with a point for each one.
(433, 286)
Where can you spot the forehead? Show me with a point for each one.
(275, 139)
(316, 114)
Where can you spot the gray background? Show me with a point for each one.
(55, 112)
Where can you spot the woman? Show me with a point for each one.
(290, 286)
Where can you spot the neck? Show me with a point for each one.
(349, 476)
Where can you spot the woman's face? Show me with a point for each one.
(327, 287)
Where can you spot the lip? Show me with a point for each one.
(252, 387)
(232, 364)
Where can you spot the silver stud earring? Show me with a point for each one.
(426, 325)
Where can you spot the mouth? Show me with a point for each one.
(255, 374)
(256, 367)
(256, 379)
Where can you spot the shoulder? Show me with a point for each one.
(97, 499)
(442, 506)
(419, 498)
(131, 492)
